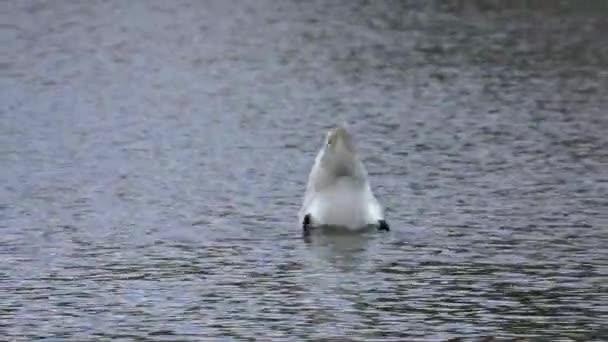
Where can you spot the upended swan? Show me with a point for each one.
(338, 193)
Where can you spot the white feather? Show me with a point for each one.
(338, 191)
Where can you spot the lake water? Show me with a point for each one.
(154, 154)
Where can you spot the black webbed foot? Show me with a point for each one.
(306, 225)
(382, 225)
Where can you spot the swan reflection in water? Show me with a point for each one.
(343, 249)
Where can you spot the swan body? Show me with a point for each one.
(338, 192)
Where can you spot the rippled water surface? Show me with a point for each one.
(154, 156)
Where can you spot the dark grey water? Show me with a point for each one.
(154, 155)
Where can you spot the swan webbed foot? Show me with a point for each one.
(306, 224)
(383, 225)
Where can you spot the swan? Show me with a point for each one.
(338, 193)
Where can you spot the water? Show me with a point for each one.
(154, 156)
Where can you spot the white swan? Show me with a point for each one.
(338, 192)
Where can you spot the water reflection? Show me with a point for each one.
(345, 250)
(153, 157)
